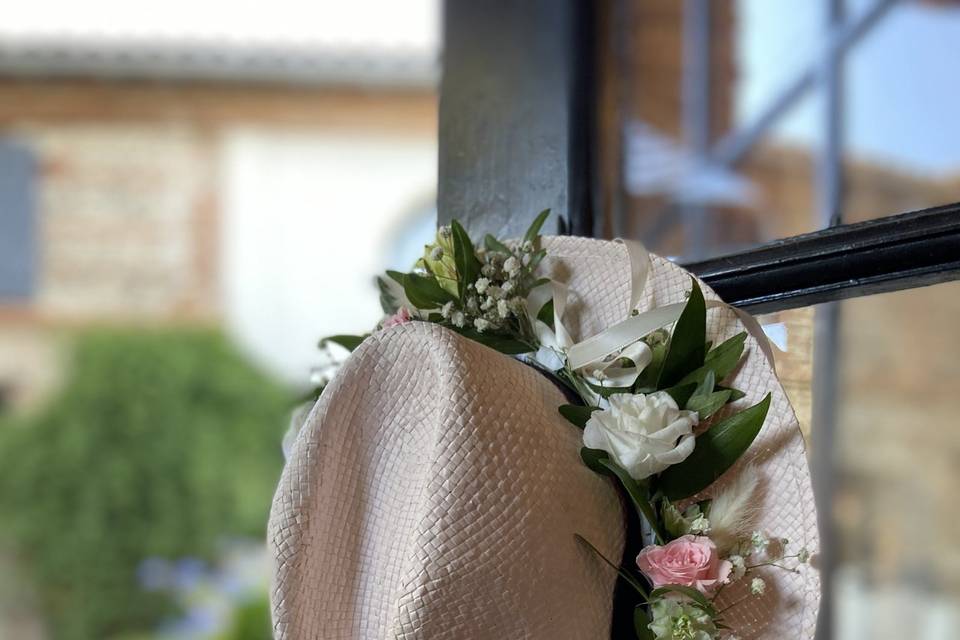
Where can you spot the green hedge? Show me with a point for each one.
(160, 444)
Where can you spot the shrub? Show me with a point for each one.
(160, 444)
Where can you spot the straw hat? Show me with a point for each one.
(434, 490)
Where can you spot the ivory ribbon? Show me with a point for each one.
(623, 337)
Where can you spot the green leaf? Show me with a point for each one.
(641, 624)
(626, 575)
(592, 458)
(545, 315)
(709, 404)
(606, 392)
(577, 415)
(735, 394)
(721, 360)
(673, 521)
(716, 450)
(426, 291)
(465, 257)
(534, 231)
(396, 276)
(346, 341)
(686, 349)
(492, 244)
(388, 303)
(503, 344)
(535, 259)
(698, 598)
(637, 496)
(681, 394)
(647, 380)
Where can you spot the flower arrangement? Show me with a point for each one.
(655, 413)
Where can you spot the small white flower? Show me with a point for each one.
(700, 525)
(458, 319)
(482, 284)
(481, 324)
(446, 310)
(473, 305)
(758, 586)
(739, 567)
(512, 265)
(759, 541)
(527, 247)
(503, 309)
(804, 555)
(436, 253)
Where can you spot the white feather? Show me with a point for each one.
(733, 511)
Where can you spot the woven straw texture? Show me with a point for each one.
(434, 491)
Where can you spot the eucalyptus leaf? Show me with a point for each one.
(698, 598)
(716, 450)
(346, 341)
(685, 351)
(534, 230)
(576, 415)
(641, 624)
(638, 496)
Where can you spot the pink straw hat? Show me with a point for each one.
(434, 490)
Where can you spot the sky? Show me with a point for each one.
(902, 96)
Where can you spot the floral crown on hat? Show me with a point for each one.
(647, 392)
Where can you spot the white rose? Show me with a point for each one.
(644, 434)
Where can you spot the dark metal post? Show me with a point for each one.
(696, 114)
(516, 114)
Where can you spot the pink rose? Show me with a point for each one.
(691, 561)
(402, 316)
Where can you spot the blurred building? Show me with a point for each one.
(228, 185)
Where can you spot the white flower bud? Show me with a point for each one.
(758, 586)
(481, 324)
(804, 555)
(482, 284)
(739, 567)
(507, 287)
(527, 247)
(512, 265)
(525, 260)
(458, 319)
(759, 541)
(503, 309)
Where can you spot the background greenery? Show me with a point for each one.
(159, 444)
